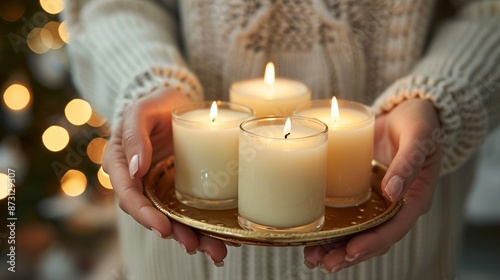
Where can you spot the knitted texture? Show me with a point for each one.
(122, 50)
(372, 51)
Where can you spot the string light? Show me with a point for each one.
(78, 111)
(95, 149)
(39, 40)
(11, 11)
(63, 32)
(96, 120)
(103, 178)
(73, 183)
(55, 138)
(52, 6)
(53, 28)
(17, 97)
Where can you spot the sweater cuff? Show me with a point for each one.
(172, 76)
(462, 115)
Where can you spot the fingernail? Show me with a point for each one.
(209, 257)
(394, 187)
(356, 256)
(183, 247)
(158, 233)
(133, 166)
(309, 265)
(334, 269)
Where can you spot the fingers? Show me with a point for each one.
(411, 127)
(214, 249)
(130, 193)
(136, 141)
(190, 242)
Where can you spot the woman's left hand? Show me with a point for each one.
(408, 137)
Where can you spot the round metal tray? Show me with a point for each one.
(223, 224)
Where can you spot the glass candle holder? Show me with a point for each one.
(282, 175)
(206, 154)
(270, 96)
(350, 149)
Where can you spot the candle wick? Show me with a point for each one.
(213, 120)
(286, 135)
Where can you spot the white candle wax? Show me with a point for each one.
(275, 97)
(206, 156)
(350, 150)
(282, 181)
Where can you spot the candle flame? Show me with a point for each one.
(269, 74)
(335, 110)
(213, 111)
(288, 128)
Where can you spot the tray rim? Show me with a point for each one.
(242, 236)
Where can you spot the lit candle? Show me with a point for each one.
(206, 153)
(270, 96)
(282, 175)
(350, 148)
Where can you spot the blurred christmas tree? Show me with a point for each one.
(51, 143)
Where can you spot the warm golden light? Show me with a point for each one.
(52, 6)
(287, 128)
(335, 110)
(269, 74)
(213, 111)
(63, 32)
(73, 183)
(103, 178)
(39, 40)
(55, 138)
(95, 149)
(78, 111)
(16, 97)
(53, 28)
(11, 10)
(96, 120)
(4, 186)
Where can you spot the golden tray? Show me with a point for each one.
(340, 223)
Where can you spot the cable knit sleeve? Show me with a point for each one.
(121, 50)
(460, 75)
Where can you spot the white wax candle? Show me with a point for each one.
(275, 97)
(350, 150)
(282, 181)
(206, 155)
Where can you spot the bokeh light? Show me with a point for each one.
(78, 111)
(39, 40)
(103, 178)
(55, 138)
(95, 149)
(11, 10)
(17, 97)
(52, 6)
(53, 28)
(4, 186)
(96, 120)
(73, 183)
(63, 32)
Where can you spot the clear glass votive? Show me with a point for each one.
(282, 175)
(206, 153)
(350, 149)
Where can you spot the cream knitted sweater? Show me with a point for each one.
(366, 50)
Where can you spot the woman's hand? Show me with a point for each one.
(142, 138)
(405, 137)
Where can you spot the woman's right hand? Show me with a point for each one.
(142, 138)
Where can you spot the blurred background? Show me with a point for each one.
(52, 142)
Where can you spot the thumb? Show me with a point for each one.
(136, 141)
(413, 150)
